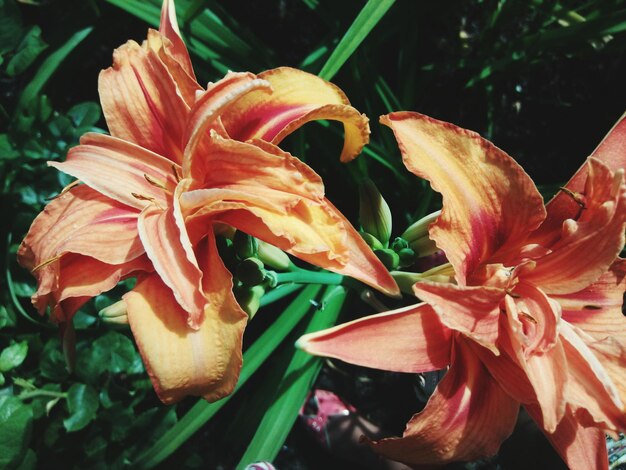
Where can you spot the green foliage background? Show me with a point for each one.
(543, 79)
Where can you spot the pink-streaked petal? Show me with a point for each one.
(489, 202)
(181, 360)
(597, 309)
(140, 101)
(589, 245)
(590, 386)
(297, 98)
(207, 111)
(169, 250)
(168, 27)
(612, 355)
(121, 170)
(473, 311)
(582, 448)
(467, 417)
(545, 368)
(410, 339)
(612, 152)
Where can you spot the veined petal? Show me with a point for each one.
(208, 108)
(545, 368)
(473, 310)
(590, 387)
(82, 221)
(597, 309)
(141, 103)
(121, 170)
(612, 357)
(467, 417)
(168, 27)
(489, 202)
(581, 448)
(297, 98)
(589, 245)
(180, 360)
(612, 152)
(410, 339)
(169, 249)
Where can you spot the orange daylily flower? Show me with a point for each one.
(152, 191)
(534, 317)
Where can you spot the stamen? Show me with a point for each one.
(528, 317)
(64, 190)
(515, 296)
(154, 182)
(577, 197)
(176, 174)
(46, 263)
(141, 197)
(592, 307)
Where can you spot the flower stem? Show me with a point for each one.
(41, 393)
(310, 277)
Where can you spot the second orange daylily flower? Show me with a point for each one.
(174, 165)
(534, 317)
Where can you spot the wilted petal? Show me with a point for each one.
(467, 418)
(597, 309)
(489, 202)
(410, 339)
(168, 247)
(581, 448)
(180, 360)
(611, 152)
(473, 310)
(297, 98)
(121, 170)
(140, 101)
(589, 245)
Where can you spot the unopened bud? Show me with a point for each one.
(251, 272)
(405, 281)
(274, 257)
(115, 313)
(424, 246)
(249, 298)
(419, 229)
(407, 257)
(389, 258)
(245, 245)
(374, 213)
(398, 244)
(371, 241)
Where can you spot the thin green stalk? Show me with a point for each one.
(310, 277)
(41, 393)
(295, 384)
(369, 17)
(279, 293)
(253, 358)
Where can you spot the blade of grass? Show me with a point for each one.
(369, 17)
(253, 358)
(294, 386)
(48, 67)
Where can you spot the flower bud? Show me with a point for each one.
(115, 313)
(249, 298)
(251, 272)
(245, 245)
(398, 244)
(389, 258)
(273, 257)
(371, 241)
(419, 229)
(407, 257)
(374, 213)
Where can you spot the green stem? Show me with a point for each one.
(41, 393)
(310, 277)
(253, 358)
(278, 293)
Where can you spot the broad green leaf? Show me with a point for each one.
(7, 151)
(10, 25)
(295, 385)
(49, 66)
(52, 363)
(369, 17)
(7, 318)
(113, 352)
(85, 114)
(13, 356)
(29, 462)
(82, 403)
(17, 420)
(27, 52)
(253, 358)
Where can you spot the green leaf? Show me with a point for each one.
(369, 17)
(7, 151)
(17, 421)
(10, 25)
(49, 66)
(52, 363)
(13, 356)
(29, 462)
(253, 358)
(113, 352)
(85, 114)
(7, 318)
(82, 403)
(294, 386)
(27, 52)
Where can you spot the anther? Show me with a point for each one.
(592, 307)
(69, 187)
(176, 174)
(528, 317)
(154, 182)
(141, 197)
(515, 296)
(46, 263)
(577, 197)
